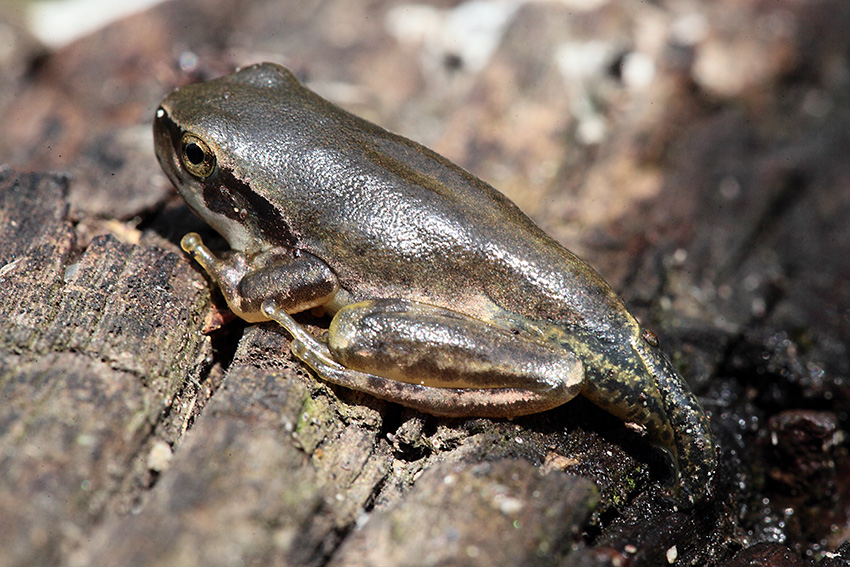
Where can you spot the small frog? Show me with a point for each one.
(445, 297)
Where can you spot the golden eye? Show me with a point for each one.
(197, 157)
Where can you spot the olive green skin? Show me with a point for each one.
(297, 177)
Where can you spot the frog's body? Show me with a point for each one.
(446, 296)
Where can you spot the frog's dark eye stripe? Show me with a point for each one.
(196, 156)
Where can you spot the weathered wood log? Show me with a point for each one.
(714, 197)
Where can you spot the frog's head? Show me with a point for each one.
(218, 140)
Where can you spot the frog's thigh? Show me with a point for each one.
(446, 363)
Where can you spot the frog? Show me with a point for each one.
(443, 295)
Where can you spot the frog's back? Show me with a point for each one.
(436, 233)
(386, 213)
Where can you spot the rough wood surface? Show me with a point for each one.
(715, 197)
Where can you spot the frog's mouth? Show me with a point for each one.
(167, 137)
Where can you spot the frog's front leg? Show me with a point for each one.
(436, 360)
(296, 283)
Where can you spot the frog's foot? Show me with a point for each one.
(222, 273)
(225, 274)
(435, 360)
(696, 452)
(645, 388)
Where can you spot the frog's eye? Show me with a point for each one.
(196, 155)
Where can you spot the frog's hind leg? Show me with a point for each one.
(436, 360)
(695, 449)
